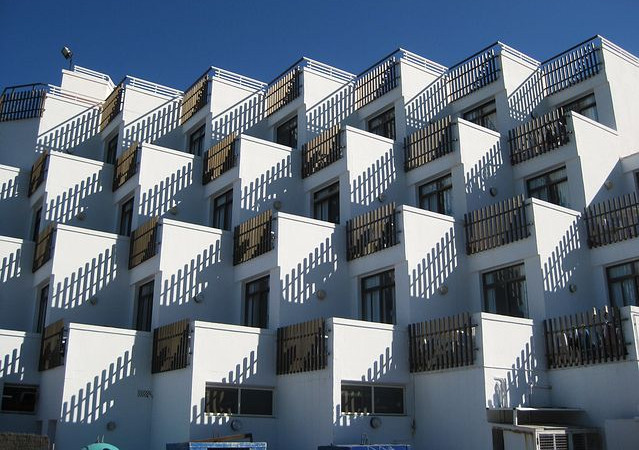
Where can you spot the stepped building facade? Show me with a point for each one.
(446, 257)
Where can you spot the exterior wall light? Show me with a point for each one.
(198, 298)
(376, 422)
(320, 294)
(608, 184)
(93, 300)
(277, 205)
(81, 216)
(236, 425)
(572, 288)
(493, 191)
(68, 55)
(443, 289)
(381, 198)
(110, 426)
(173, 210)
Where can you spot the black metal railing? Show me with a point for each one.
(144, 242)
(171, 346)
(44, 247)
(372, 232)
(322, 150)
(573, 66)
(538, 136)
(283, 91)
(378, 81)
(253, 238)
(613, 220)
(52, 346)
(593, 337)
(195, 98)
(22, 102)
(496, 225)
(126, 166)
(473, 73)
(112, 106)
(429, 143)
(219, 159)
(302, 347)
(38, 172)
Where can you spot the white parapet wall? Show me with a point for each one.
(17, 299)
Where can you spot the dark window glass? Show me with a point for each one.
(551, 187)
(378, 297)
(388, 400)
(222, 400)
(258, 402)
(357, 399)
(484, 115)
(43, 301)
(586, 106)
(326, 204)
(256, 303)
(623, 284)
(505, 291)
(37, 218)
(144, 307)
(383, 124)
(126, 217)
(111, 150)
(196, 141)
(436, 195)
(222, 210)
(19, 398)
(286, 133)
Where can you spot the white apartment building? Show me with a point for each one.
(445, 257)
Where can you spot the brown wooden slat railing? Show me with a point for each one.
(22, 102)
(538, 136)
(283, 91)
(473, 74)
(126, 166)
(112, 106)
(496, 225)
(195, 98)
(372, 232)
(592, 337)
(144, 242)
(220, 158)
(428, 144)
(322, 150)
(572, 67)
(302, 347)
(380, 80)
(253, 237)
(171, 346)
(38, 172)
(442, 343)
(52, 346)
(613, 220)
(44, 247)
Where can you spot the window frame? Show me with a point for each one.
(289, 134)
(571, 105)
(262, 296)
(333, 207)
(381, 288)
(238, 390)
(634, 275)
(129, 224)
(42, 305)
(148, 319)
(387, 127)
(372, 387)
(482, 114)
(550, 186)
(111, 150)
(196, 139)
(36, 394)
(438, 193)
(507, 288)
(37, 221)
(225, 208)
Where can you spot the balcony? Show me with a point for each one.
(38, 172)
(372, 232)
(126, 166)
(539, 136)
(573, 66)
(253, 238)
(612, 221)
(44, 247)
(428, 144)
(302, 347)
(22, 102)
(496, 225)
(475, 72)
(144, 242)
(376, 81)
(112, 106)
(195, 98)
(283, 90)
(220, 158)
(171, 346)
(322, 151)
(53, 346)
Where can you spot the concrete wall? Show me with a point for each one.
(17, 296)
(14, 187)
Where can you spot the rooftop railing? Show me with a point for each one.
(473, 73)
(496, 225)
(38, 172)
(22, 102)
(220, 158)
(253, 238)
(171, 346)
(429, 143)
(144, 242)
(573, 66)
(283, 90)
(112, 106)
(322, 151)
(126, 166)
(614, 220)
(377, 81)
(372, 232)
(195, 97)
(44, 247)
(538, 136)
(302, 347)
(52, 346)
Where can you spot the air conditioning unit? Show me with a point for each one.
(568, 439)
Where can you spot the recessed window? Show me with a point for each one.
(126, 217)
(223, 210)
(19, 398)
(37, 218)
(484, 115)
(378, 297)
(551, 186)
(256, 303)
(623, 284)
(586, 106)
(286, 134)
(234, 400)
(43, 302)
(144, 306)
(437, 195)
(326, 203)
(505, 291)
(372, 399)
(110, 155)
(196, 141)
(383, 124)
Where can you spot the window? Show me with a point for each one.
(111, 150)
(233, 400)
(623, 284)
(586, 106)
(383, 124)
(326, 203)
(43, 300)
(436, 195)
(222, 210)
(19, 398)
(286, 133)
(367, 399)
(505, 291)
(196, 141)
(551, 187)
(256, 303)
(378, 297)
(126, 217)
(144, 307)
(484, 115)
(37, 218)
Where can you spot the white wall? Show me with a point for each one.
(17, 296)
(14, 187)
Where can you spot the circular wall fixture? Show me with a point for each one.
(376, 422)
(236, 425)
(320, 294)
(572, 288)
(277, 205)
(110, 426)
(443, 289)
(493, 191)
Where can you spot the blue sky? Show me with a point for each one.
(173, 42)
